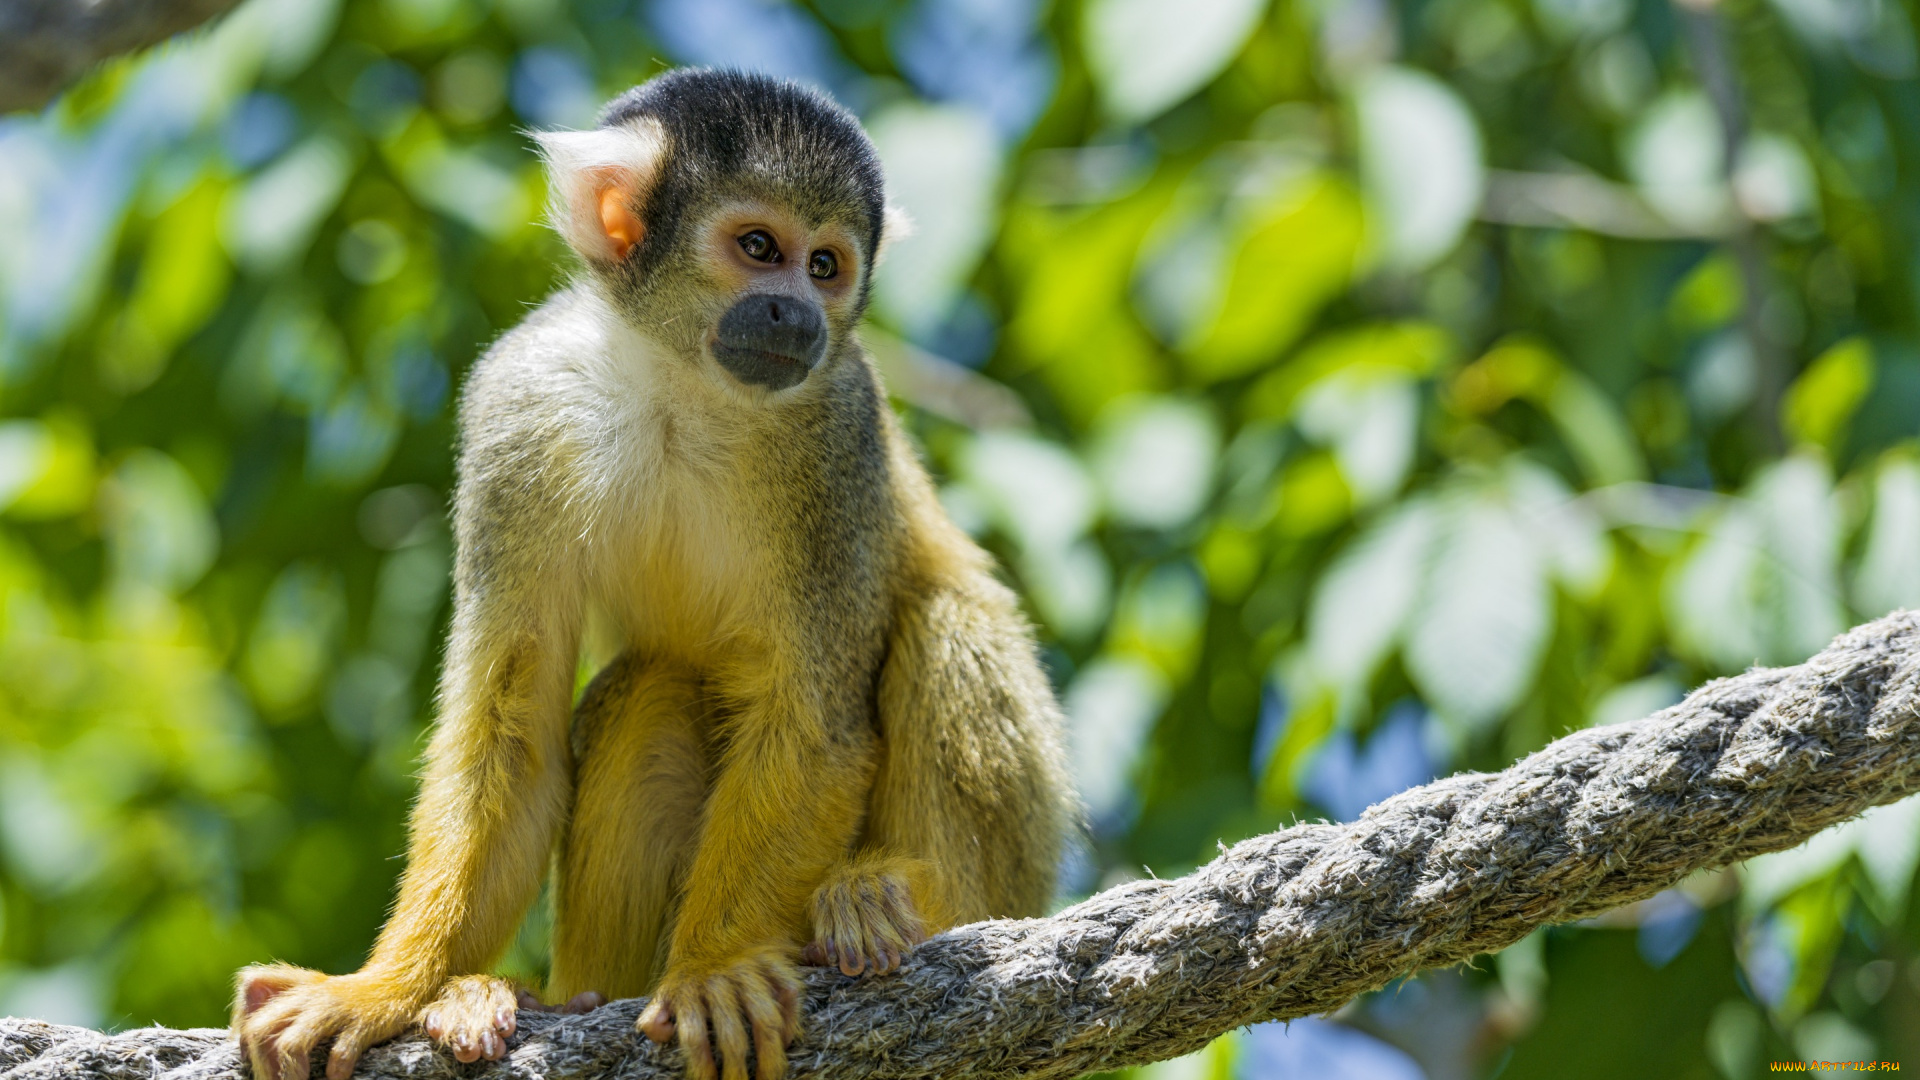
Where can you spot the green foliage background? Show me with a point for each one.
(1358, 389)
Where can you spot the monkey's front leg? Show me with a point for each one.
(494, 792)
(784, 810)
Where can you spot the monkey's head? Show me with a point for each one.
(732, 218)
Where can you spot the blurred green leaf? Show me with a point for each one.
(1296, 250)
(1710, 294)
(1821, 401)
(1420, 159)
(183, 278)
(1147, 56)
(1409, 349)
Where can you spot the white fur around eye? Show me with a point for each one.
(582, 164)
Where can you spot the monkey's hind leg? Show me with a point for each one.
(971, 805)
(642, 770)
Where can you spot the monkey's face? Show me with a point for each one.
(785, 291)
(731, 218)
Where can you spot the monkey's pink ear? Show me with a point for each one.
(598, 182)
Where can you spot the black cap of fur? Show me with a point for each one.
(735, 132)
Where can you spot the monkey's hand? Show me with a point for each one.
(864, 919)
(716, 1011)
(281, 1013)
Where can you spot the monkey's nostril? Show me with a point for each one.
(775, 310)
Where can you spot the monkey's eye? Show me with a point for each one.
(760, 247)
(823, 265)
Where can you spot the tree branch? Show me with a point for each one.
(47, 44)
(1289, 924)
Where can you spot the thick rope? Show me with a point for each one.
(1289, 924)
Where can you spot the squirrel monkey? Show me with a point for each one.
(827, 735)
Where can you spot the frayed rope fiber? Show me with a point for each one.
(1289, 924)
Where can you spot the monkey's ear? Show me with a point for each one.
(895, 225)
(598, 181)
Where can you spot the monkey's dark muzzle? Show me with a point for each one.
(770, 340)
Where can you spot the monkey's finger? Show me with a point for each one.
(268, 1051)
(528, 1003)
(904, 928)
(787, 995)
(657, 1022)
(879, 933)
(729, 1033)
(264, 1029)
(293, 1051)
(853, 959)
(466, 1048)
(506, 1020)
(296, 1065)
(691, 1022)
(347, 1048)
(260, 1056)
(250, 1047)
(273, 1026)
(873, 941)
(769, 1035)
(813, 955)
(583, 1002)
(289, 1066)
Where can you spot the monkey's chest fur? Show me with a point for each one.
(713, 523)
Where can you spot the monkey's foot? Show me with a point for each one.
(754, 1001)
(864, 920)
(473, 1017)
(281, 1013)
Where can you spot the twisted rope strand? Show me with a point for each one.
(1289, 924)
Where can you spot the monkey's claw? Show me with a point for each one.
(754, 1002)
(473, 1017)
(864, 921)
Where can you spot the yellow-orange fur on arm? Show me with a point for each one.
(496, 786)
